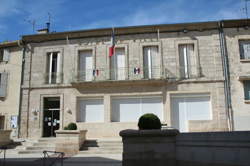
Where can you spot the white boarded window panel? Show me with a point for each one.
(152, 105)
(130, 109)
(192, 107)
(91, 110)
(125, 110)
(198, 108)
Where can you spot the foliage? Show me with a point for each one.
(149, 122)
(71, 126)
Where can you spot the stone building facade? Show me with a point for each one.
(175, 71)
(10, 83)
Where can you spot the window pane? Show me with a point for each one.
(85, 66)
(244, 49)
(247, 89)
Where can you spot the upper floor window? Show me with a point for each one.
(244, 49)
(187, 60)
(247, 89)
(151, 62)
(118, 65)
(4, 55)
(3, 84)
(54, 68)
(85, 65)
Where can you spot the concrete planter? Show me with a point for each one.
(5, 137)
(149, 147)
(70, 141)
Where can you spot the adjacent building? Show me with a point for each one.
(10, 84)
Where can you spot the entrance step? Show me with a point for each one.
(37, 146)
(102, 146)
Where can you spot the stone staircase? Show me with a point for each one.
(102, 146)
(36, 146)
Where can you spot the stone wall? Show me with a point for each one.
(168, 147)
(207, 50)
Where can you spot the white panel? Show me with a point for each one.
(125, 110)
(91, 110)
(155, 61)
(179, 120)
(188, 108)
(152, 105)
(246, 48)
(58, 74)
(199, 108)
(130, 109)
(147, 62)
(86, 65)
(120, 67)
(50, 57)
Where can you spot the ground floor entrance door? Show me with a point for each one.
(51, 116)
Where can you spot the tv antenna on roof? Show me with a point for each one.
(245, 9)
(32, 22)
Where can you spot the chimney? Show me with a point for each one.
(43, 31)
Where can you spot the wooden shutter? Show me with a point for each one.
(6, 55)
(3, 84)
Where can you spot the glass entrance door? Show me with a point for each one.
(51, 116)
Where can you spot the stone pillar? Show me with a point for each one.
(149, 147)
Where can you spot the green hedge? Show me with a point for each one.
(149, 122)
(71, 126)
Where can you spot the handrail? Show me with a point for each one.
(46, 156)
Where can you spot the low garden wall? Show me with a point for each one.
(171, 148)
(70, 141)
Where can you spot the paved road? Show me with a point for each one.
(13, 159)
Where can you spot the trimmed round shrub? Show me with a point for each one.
(71, 126)
(149, 122)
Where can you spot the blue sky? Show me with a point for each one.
(67, 15)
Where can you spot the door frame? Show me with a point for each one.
(61, 111)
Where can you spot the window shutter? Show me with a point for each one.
(6, 55)
(3, 84)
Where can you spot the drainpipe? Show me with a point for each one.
(225, 66)
(21, 83)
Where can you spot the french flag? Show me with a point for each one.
(112, 48)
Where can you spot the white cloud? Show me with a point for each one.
(171, 12)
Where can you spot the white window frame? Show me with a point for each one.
(196, 54)
(108, 71)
